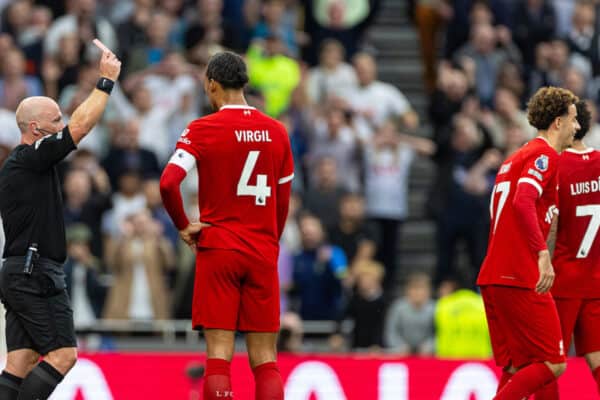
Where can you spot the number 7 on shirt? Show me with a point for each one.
(592, 210)
(504, 189)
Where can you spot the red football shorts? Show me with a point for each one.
(524, 326)
(580, 319)
(235, 291)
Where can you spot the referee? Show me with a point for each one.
(39, 318)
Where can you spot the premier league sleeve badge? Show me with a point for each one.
(541, 163)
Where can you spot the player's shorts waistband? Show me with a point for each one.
(40, 262)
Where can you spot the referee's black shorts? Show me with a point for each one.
(38, 310)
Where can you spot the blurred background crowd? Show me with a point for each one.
(356, 140)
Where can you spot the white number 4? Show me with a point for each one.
(592, 229)
(260, 191)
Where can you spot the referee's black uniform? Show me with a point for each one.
(39, 315)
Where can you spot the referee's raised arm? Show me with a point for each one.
(43, 130)
(89, 112)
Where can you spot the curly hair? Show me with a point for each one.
(547, 104)
(584, 117)
(229, 69)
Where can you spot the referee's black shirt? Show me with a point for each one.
(31, 203)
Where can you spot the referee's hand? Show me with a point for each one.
(110, 65)
(190, 233)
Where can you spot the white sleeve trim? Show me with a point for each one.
(38, 142)
(286, 179)
(532, 182)
(183, 159)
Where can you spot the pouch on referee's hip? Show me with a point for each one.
(31, 258)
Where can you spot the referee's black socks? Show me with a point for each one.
(9, 386)
(40, 382)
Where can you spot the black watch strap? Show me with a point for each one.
(105, 84)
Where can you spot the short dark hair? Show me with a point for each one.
(330, 42)
(228, 69)
(584, 117)
(547, 104)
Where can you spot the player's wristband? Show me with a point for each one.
(105, 84)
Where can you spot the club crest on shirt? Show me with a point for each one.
(541, 163)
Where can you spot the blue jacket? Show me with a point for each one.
(318, 283)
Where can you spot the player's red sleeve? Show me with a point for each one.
(284, 191)
(525, 210)
(170, 181)
(284, 186)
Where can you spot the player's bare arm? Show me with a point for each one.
(551, 241)
(89, 112)
(546, 272)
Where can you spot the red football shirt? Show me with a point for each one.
(510, 261)
(241, 156)
(576, 257)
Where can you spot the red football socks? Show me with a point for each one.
(526, 382)
(503, 379)
(548, 392)
(217, 382)
(596, 373)
(269, 385)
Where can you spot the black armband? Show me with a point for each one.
(105, 84)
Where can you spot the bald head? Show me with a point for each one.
(38, 116)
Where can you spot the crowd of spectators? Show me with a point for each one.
(353, 136)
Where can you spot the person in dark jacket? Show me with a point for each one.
(366, 307)
(84, 286)
(87, 197)
(125, 154)
(319, 270)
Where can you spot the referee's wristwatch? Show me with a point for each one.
(105, 84)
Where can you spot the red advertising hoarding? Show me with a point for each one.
(161, 376)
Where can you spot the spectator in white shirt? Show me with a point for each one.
(388, 159)
(374, 101)
(332, 76)
(334, 137)
(164, 101)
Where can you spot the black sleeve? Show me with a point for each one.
(370, 232)
(374, 6)
(348, 311)
(47, 151)
(101, 202)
